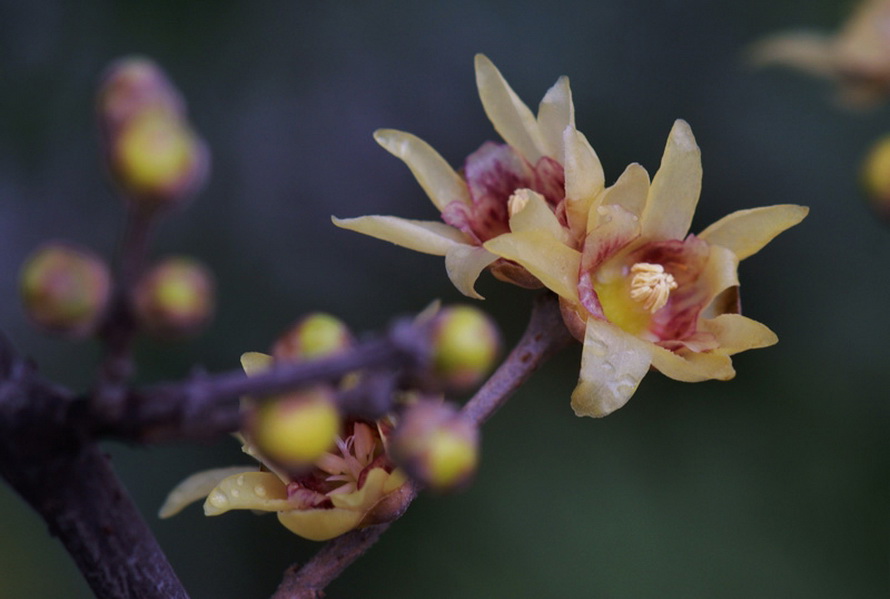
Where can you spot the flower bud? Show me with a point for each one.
(314, 336)
(876, 177)
(465, 345)
(175, 298)
(436, 445)
(65, 289)
(296, 430)
(153, 154)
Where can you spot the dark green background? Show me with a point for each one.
(772, 485)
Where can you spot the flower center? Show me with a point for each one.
(651, 285)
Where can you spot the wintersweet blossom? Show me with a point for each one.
(474, 203)
(640, 292)
(353, 486)
(857, 57)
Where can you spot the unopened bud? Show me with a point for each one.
(314, 336)
(65, 289)
(876, 177)
(175, 298)
(465, 345)
(153, 154)
(436, 446)
(296, 430)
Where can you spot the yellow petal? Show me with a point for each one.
(195, 487)
(612, 365)
(434, 174)
(746, 232)
(367, 496)
(694, 367)
(511, 118)
(247, 491)
(736, 333)
(629, 191)
(464, 263)
(675, 188)
(555, 113)
(320, 524)
(254, 362)
(545, 257)
(721, 272)
(584, 178)
(529, 212)
(424, 236)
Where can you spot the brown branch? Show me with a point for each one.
(543, 337)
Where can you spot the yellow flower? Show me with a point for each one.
(474, 204)
(350, 487)
(640, 293)
(857, 57)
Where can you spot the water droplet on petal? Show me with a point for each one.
(240, 480)
(234, 493)
(218, 499)
(259, 491)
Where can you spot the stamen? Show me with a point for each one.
(651, 285)
(518, 201)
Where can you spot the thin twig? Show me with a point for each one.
(544, 336)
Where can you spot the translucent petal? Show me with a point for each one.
(434, 174)
(195, 487)
(555, 113)
(612, 365)
(464, 264)
(320, 524)
(545, 257)
(511, 118)
(746, 232)
(694, 367)
(584, 178)
(675, 188)
(530, 211)
(736, 333)
(630, 190)
(254, 362)
(247, 491)
(429, 237)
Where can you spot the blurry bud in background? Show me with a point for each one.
(174, 299)
(153, 154)
(876, 177)
(436, 445)
(466, 343)
(65, 289)
(316, 335)
(295, 430)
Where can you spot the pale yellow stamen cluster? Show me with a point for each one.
(651, 285)
(518, 201)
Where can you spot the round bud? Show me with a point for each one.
(465, 345)
(296, 430)
(876, 177)
(436, 445)
(65, 289)
(132, 85)
(314, 336)
(175, 298)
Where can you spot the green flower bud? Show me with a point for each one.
(296, 430)
(174, 299)
(876, 177)
(436, 446)
(65, 289)
(465, 345)
(314, 336)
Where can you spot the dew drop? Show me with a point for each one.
(218, 499)
(598, 347)
(259, 491)
(240, 480)
(234, 493)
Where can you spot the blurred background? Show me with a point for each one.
(772, 485)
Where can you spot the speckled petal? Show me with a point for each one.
(429, 237)
(511, 118)
(197, 486)
(612, 365)
(694, 367)
(675, 188)
(746, 232)
(585, 179)
(544, 256)
(247, 491)
(440, 182)
(736, 333)
(555, 113)
(464, 263)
